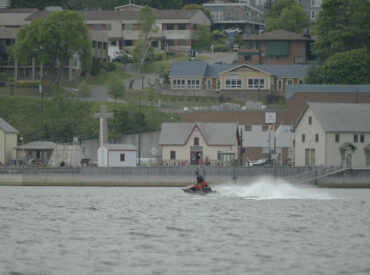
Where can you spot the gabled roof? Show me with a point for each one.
(109, 15)
(213, 133)
(341, 117)
(38, 145)
(292, 89)
(214, 70)
(284, 71)
(188, 69)
(7, 128)
(276, 35)
(237, 67)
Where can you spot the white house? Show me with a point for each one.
(117, 155)
(8, 140)
(333, 134)
(199, 143)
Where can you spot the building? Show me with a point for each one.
(243, 82)
(174, 27)
(8, 140)
(311, 8)
(257, 138)
(333, 134)
(36, 153)
(199, 143)
(275, 47)
(256, 82)
(296, 97)
(228, 16)
(196, 75)
(117, 155)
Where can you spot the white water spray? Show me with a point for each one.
(271, 188)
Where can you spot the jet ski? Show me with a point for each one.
(194, 189)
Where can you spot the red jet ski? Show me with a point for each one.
(194, 189)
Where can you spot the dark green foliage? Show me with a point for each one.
(202, 38)
(95, 67)
(312, 75)
(27, 84)
(39, 4)
(286, 15)
(350, 67)
(341, 26)
(220, 48)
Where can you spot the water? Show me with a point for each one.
(269, 227)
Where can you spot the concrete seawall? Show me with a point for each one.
(176, 176)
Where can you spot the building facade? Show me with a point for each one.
(199, 143)
(275, 47)
(117, 155)
(333, 134)
(8, 141)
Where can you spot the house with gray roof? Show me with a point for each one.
(333, 134)
(35, 153)
(196, 75)
(199, 143)
(8, 140)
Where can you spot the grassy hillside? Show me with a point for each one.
(60, 119)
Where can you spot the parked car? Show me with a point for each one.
(259, 162)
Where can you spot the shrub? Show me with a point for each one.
(159, 56)
(220, 48)
(28, 84)
(95, 67)
(3, 76)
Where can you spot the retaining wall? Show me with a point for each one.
(175, 176)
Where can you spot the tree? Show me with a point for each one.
(116, 88)
(312, 75)
(201, 38)
(199, 7)
(350, 67)
(84, 89)
(143, 51)
(53, 41)
(286, 15)
(342, 25)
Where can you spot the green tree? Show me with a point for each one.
(350, 67)
(342, 25)
(201, 38)
(218, 35)
(312, 75)
(116, 88)
(143, 51)
(199, 7)
(286, 15)
(84, 89)
(53, 41)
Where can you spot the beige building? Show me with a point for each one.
(8, 140)
(333, 134)
(199, 143)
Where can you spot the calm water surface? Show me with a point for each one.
(268, 227)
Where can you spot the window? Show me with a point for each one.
(256, 83)
(313, 15)
(173, 154)
(233, 83)
(218, 84)
(247, 128)
(290, 81)
(196, 141)
(154, 43)
(300, 81)
(170, 26)
(317, 138)
(171, 42)
(362, 138)
(128, 43)
(181, 26)
(128, 27)
(355, 138)
(265, 128)
(337, 138)
(247, 58)
(303, 137)
(298, 60)
(310, 120)
(181, 42)
(252, 45)
(122, 157)
(108, 27)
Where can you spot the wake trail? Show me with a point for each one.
(271, 188)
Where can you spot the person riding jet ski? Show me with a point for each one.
(199, 187)
(201, 182)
